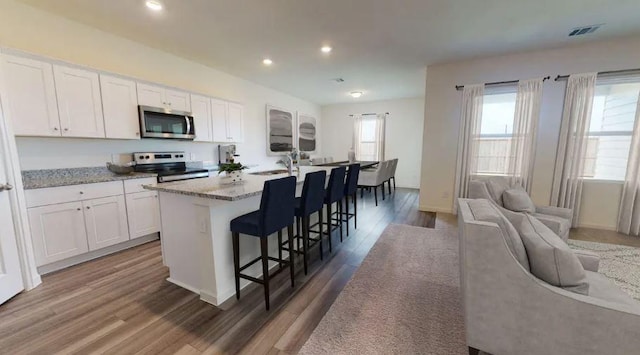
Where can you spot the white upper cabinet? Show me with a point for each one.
(106, 221)
(120, 107)
(31, 94)
(201, 110)
(149, 95)
(219, 119)
(234, 122)
(79, 102)
(157, 96)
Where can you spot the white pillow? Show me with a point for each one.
(516, 199)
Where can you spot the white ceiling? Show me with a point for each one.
(381, 47)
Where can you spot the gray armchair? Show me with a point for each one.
(558, 219)
(508, 310)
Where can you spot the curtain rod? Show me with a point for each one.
(605, 73)
(498, 83)
(369, 114)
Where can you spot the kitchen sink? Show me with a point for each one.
(270, 172)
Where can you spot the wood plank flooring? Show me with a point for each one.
(122, 304)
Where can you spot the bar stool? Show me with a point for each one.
(276, 211)
(350, 190)
(335, 194)
(310, 202)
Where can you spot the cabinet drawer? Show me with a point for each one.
(135, 185)
(72, 193)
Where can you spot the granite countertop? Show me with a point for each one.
(38, 179)
(213, 187)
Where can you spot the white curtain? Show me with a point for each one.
(357, 133)
(525, 127)
(470, 120)
(629, 212)
(576, 118)
(381, 120)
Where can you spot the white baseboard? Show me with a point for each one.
(183, 285)
(426, 208)
(597, 226)
(63, 264)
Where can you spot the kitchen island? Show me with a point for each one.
(196, 240)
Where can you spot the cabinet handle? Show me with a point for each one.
(78, 208)
(55, 128)
(66, 129)
(88, 207)
(81, 193)
(137, 133)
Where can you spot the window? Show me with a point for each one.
(496, 132)
(610, 130)
(368, 144)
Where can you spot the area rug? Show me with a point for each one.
(619, 263)
(404, 299)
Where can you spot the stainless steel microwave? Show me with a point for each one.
(169, 124)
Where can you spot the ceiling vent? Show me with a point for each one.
(579, 31)
(338, 80)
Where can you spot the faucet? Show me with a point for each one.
(288, 163)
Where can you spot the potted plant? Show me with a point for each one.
(233, 171)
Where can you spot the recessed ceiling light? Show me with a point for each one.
(326, 49)
(267, 61)
(154, 5)
(355, 94)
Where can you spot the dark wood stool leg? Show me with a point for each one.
(236, 260)
(291, 253)
(329, 225)
(375, 194)
(320, 218)
(305, 241)
(280, 249)
(355, 212)
(264, 248)
(346, 213)
(298, 233)
(473, 351)
(340, 218)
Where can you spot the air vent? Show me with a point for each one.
(579, 31)
(338, 80)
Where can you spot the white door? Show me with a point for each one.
(79, 102)
(106, 221)
(201, 110)
(178, 100)
(120, 108)
(149, 95)
(10, 275)
(31, 94)
(143, 210)
(57, 232)
(234, 122)
(219, 120)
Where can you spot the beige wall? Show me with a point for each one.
(442, 119)
(25, 28)
(403, 133)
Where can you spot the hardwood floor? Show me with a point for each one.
(122, 304)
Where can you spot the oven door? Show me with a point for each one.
(159, 123)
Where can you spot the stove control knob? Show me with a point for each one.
(141, 157)
(147, 157)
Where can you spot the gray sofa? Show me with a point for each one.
(558, 219)
(508, 310)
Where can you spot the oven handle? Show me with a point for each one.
(186, 118)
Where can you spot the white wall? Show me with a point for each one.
(403, 133)
(442, 119)
(26, 28)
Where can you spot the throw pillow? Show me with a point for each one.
(550, 258)
(496, 186)
(516, 199)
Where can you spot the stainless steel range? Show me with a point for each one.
(170, 166)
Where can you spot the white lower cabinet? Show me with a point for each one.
(58, 232)
(143, 211)
(106, 221)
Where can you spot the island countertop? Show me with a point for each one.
(214, 188)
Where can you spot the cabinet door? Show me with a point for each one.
(201, 110)
(57, 232)
(31, 94)
(234, 122)
(143, 211)
(149, 95)
(79, 102)
(219, 120)
(106, 221)
(178, 100)
(120, 108)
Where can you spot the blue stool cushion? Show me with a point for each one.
(247, 224)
